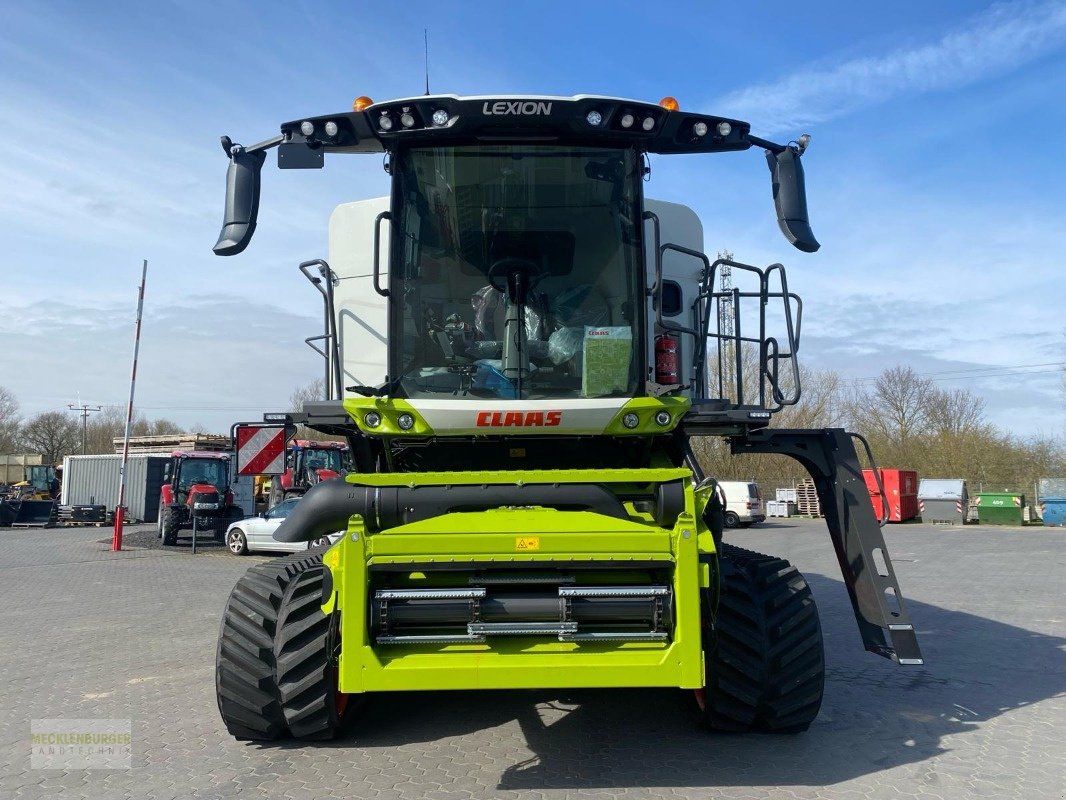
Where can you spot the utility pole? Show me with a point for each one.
(85, 412)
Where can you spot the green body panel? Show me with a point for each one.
(496, 537)
(607, 476)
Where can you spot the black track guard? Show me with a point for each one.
(829, 456)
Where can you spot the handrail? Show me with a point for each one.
(331, 335)
(377, 252)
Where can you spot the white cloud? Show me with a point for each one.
(212, 363)
(991, 43)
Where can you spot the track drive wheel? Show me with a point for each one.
(765, 664)
(246, 685)
(168, 526)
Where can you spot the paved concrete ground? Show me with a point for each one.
(87, 633)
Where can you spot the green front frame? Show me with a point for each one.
(492, 537)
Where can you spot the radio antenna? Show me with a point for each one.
(425, 41)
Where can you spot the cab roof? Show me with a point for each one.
(200, 454)
(591, 120)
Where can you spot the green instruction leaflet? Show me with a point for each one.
(607, 354)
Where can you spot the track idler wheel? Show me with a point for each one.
(765, 664)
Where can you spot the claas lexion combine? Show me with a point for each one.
(520, 349)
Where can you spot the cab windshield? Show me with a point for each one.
(323, 458)
(212, 471)
(518, 272)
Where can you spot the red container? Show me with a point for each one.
(901, 488)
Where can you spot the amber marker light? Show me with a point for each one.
(670, 103)
(362, 103)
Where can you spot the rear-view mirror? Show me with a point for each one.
(790, 199)
(242, 202)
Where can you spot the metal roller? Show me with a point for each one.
(571, 613)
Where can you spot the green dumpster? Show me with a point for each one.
(1000, 508)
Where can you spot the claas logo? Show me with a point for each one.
(519, 419)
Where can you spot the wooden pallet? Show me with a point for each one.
(166, 443)
(807, 503)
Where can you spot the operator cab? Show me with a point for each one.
(523, 271)
(510, 256)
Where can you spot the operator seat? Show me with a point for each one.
(490, 312)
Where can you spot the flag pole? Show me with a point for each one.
(116, 540)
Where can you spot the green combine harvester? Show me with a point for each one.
(519, 349)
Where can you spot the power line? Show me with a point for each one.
(85, 412)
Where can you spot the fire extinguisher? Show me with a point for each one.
(666, 360)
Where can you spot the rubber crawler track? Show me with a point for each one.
(245, 680)
(766, 670)
(304, 671)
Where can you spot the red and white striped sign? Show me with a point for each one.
(261, 449)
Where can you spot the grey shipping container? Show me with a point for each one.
(93, 480)
(943, 500)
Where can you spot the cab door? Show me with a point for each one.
(682, 275)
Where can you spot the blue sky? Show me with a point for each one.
(934, 178)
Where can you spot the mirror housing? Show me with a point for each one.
(242, 201)
(790, 198)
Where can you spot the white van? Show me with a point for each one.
(743, 503)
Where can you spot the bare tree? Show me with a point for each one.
(53, 434)
(309, 393)
(110, 424)
(9, 421)
(315, 390)
(954, 412)
(895, 410)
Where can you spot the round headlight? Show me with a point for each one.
(724, 129)
(627, 120)
(648, 123)
(307, 128)
(700, 129)
(663, 417)
(594, 117)
(331, 129)
(372, 419)
(440, 117)
(407, 120)
(385, 122)
(631, 420)
(405, 421)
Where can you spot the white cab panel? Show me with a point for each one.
(361, 312)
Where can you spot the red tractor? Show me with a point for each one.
(196, 494)
(306, 464)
